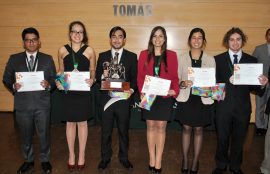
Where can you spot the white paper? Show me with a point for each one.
(77, 81)
(156, 86)
(247, 74)
(202, 77)
(30, 81)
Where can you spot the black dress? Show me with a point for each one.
(76, 103)
(161, 108)
(193, 112)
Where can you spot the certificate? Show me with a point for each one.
(247, 74)
(76, 81)
(202, 77)
(156, 86)
(30, 81)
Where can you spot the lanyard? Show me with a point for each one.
(34, 66)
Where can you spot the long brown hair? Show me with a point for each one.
(151, 48)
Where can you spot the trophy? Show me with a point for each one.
(115, 77)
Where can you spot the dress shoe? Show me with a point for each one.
(71, 167)
(260, 131)
(194, 171)
(183, 169)
(46, 167)
(127, 164)
(158, 171)
(103, 164)
(239, 171)
(151, 169)
(218, 171)
(25, 167)
(80, 167)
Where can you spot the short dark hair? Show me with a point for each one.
(267, 31)
(232, 31)
(29, 30)
(116, 28)
(85, 37)
(196, 30)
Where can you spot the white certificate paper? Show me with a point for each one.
(77, 81)
(30, 81)
(202, 77)
(247, 74)
(156, 86)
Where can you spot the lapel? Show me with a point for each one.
(122, 59)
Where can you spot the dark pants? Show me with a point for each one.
(28, 121)
(231, 125)
(119, 112)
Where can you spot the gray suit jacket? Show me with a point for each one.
(262, 55)
(35, 99)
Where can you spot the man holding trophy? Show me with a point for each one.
(117, 73)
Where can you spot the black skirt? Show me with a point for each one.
(161, 110)
(193, 112)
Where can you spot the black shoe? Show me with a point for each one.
(260, 131)
(218, 171)
(193, 172)
(184, 171)
(103, 164)
(239, 171)
(127, 164)
(46, 167)
(151, 169)
(25, 167)
(158, 171)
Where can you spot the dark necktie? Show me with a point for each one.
(31, 62)
(235, 61)
(116, 57)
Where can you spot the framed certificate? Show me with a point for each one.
(30, 81)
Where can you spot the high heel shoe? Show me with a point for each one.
(151, 169)
(80, 167)
(157, 171)
(184, 170)
(71, 166)
(195, 171)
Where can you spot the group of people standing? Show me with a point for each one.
(232, 114)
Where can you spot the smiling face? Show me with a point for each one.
(117, 40)
(235, 42)
(196, 40)
(158, 39)
(31, 43)
(76, 33)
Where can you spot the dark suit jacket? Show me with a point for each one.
(35, 99)
(262, 55)
(128, 60)
(238, 95)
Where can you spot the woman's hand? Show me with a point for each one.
(171, 92)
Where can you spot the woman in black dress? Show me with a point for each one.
(77, 56)
(194, 111)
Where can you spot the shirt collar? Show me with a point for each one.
(29, 54)
(239, 54)
(120, 51)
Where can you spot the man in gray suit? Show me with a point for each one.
(262, 53)
(32, 108)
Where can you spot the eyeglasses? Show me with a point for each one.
(34, 40)
(76, 32)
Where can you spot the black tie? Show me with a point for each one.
(116, 57)
(235, 61)
(31, 63)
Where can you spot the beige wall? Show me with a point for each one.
(52, 17)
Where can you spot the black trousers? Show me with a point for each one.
(28, 121)
(231, 127)
(119, 112)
